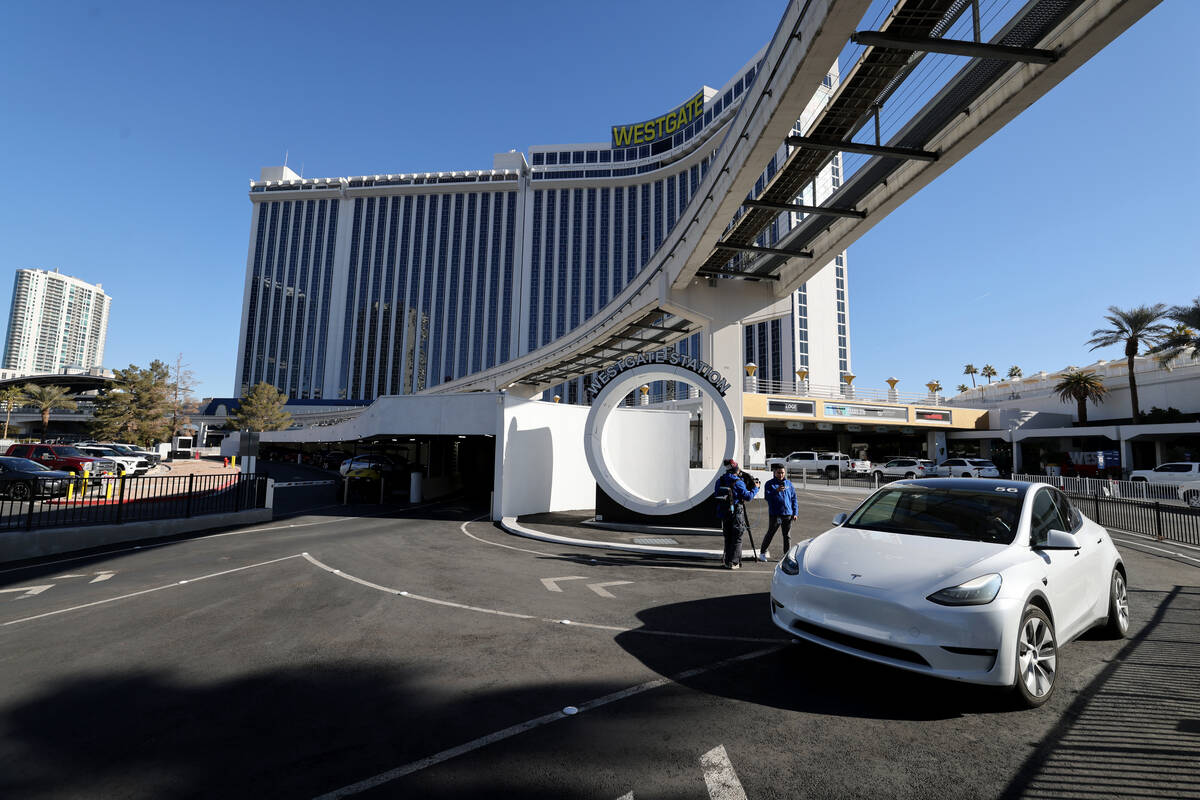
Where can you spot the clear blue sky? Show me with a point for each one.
(130, 131)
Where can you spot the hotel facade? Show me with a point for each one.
(360, 287)
(56, 322)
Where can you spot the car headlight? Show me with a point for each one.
(975, 592)
(790, 564)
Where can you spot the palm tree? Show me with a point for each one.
(1014, 372)
(962, 387)
(988, 372)
(969, 369)
(1185, 334)
(10, 398)
(48, 398)
(1135, 327)
(1081, 387)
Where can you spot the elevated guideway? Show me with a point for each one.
(714, 269)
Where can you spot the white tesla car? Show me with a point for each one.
(973, 580)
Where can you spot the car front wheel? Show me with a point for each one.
(1192, 498)
(20, 492)
(910, 475)
(1118, 606)
(1037, 658)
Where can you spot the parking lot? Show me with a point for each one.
(429, 654)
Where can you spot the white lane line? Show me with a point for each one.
(722, 781)
(148, 591)
(241, 532)
(610, 561)
(478, 609)
(514, 730)
(1142, 546)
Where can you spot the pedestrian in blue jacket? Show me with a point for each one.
(731, 494)
(781, 505)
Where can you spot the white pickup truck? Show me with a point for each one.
(830, 465)
(1174, 472)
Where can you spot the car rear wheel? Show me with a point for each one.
(966, 475)
(831, 472)
(1192, 498)
(910, 475)
(1037, 658)
(1118, 606)
(20, 491)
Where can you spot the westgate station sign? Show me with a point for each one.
(659, 128)
(700, 368)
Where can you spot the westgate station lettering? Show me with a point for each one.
(700, 368)
(658, 128)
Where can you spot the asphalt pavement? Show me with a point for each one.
(428, 653)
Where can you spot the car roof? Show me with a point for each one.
(975, 484)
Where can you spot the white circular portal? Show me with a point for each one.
(609, 399)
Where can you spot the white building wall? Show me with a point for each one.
(55, 322)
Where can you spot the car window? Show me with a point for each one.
(892, 464)
(42, 452)
(944, 513)
(1174, 468)
(1067, 512)
(979, 462)
(69, 452)
(1047, 516)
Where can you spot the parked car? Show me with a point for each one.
(828, 464)
(975, 581)
(906, 468)
(63, 457)
(133, 450)
(22, 479)
(967, 468)
(1174, 472)
(126, 464)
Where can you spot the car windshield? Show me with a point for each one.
(971, 514)
(24, 464)
(979, 462)
(69, 452)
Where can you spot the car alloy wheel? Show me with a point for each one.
(910, 475)
(1192, 498)
(1037, 658)
(1118, 606)
(966, 475)
(20, 492)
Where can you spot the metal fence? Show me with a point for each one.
(1176, 523)
(1105, 487)
(55, 503)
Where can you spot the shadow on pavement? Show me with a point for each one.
(1135, 730)
(802, 676)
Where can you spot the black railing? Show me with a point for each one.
(1159, 520)
(58, 503)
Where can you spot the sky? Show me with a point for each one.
(129, 132)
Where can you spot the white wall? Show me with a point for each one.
(647, 450)
(540, 465)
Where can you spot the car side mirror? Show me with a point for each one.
(840, 519)
(1058, 540)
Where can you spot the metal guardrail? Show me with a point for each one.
(1107, 487)
(841, 392)
(55, 503)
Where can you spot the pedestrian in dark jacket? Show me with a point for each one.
(781, 505)
(731, 493)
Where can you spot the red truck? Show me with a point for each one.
(63, 457)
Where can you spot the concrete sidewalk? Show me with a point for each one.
(579, 529)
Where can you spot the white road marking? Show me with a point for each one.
(102, 576)
(528, 725)
(71, 575)
(609, 561)
(29, 591)
(146, 591)
(599, 589)
(722, 781)
(595, 626)
(551, 584)
(626, 796)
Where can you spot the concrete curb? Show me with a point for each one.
(650, 530)
(514, 527)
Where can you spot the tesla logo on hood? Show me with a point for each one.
(854, 575)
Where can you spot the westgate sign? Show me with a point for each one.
(659, 128)
(697, 367)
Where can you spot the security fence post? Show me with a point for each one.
(29, 516)
(1158, 520)
(1096, 500)
(188, 506)
(120, 498)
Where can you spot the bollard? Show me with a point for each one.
(226, 462)
(196, 455)
(108, 484)
(233, 461)
(71, 488)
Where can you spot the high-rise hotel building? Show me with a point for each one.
(389, 284)
(56, 322)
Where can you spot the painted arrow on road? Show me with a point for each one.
(552, 583)
(719, 776)
(29, 591)
(599, 589)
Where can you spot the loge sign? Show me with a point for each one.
(659, 357)
(659, 128)
(608, 391)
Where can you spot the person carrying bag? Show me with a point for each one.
(731, 494)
